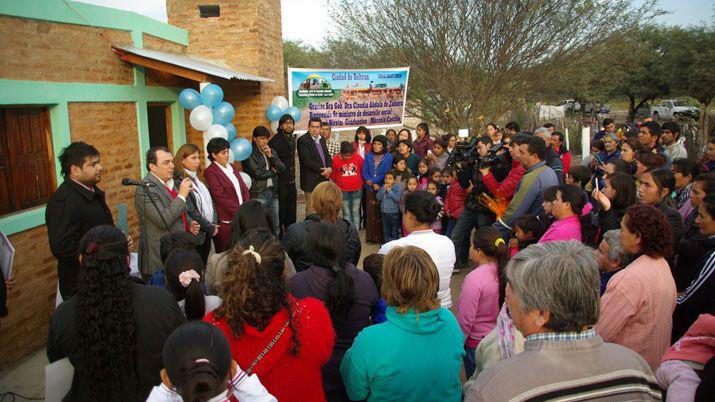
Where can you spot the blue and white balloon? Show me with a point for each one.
(211, 95)
(217, 130)
(273, 113)
(201, 118)
(231, 131)
(241, 148)
(189, 98)
(294, 112)
(281, 102)
(223, 113)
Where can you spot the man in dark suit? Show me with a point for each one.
(168, 211)
(77, 206)
(315, 163)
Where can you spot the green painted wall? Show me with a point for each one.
(56, 95)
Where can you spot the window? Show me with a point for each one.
(159, 116)
(27, 176)
(210, 10)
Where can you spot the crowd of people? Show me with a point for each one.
(590, 280)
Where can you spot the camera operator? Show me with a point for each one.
(469, 161)
(506, 187)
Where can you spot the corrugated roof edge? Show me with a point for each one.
(209, 67)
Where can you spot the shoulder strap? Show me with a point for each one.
(273, 341)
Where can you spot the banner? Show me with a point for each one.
(348, 99)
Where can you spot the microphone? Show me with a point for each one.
(130, 182)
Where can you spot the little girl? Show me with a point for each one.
(403, 172)
(482, 291)
(527, 231)
(423, 173)
(410, 187)
(198, 366)
(433, 189)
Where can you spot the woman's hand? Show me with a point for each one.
(602, 199)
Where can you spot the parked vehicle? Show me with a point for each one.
(643, 110)
(673, 108)
(570, 105)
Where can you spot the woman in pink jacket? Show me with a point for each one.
(482, 291)
(571, 212)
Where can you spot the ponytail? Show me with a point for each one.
(489, 241)
(326, 247)
(183, 273)
(197, 359)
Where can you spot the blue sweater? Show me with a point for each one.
(376, 176)
(410, 357)
(389, 200)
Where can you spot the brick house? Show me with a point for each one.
(73, 71)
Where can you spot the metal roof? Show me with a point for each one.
(193, 63)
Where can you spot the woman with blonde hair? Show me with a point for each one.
(200, 206)
(417, 353)
(327, 200)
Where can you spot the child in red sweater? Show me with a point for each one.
(453, 203)
(347, 174)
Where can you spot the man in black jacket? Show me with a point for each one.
(315, 162)
(77, 206)
(283, 143)
(263, 166)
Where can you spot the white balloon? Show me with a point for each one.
(274, 126)
(217, 130)
(281, 102)
(201, 118)
(231, 156)
(246, 179)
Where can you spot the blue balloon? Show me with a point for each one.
(294, 112)
(211, 95)
(273, 113)
(241, 148)
(223, 113)
(231, 131)
(189, 98)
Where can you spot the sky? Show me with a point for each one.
(308, 20)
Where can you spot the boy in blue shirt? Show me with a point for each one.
(389, 197)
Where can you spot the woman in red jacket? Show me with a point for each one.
(283, 340)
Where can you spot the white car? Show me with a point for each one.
(673, 108)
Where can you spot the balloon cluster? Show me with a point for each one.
(279, 106)
(210, 114)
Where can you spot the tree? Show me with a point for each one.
(472, 58)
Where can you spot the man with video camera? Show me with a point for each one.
(470, 160)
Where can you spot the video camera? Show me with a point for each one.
(465, 155)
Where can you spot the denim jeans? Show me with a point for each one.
(390, 226)
(470, 361)
(351, 207)
(269, 198)
(462, 232)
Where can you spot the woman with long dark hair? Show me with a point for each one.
(572, 221)
(482, 291)
(200, 205)
(283, 340)
(184, 269)
(349, 294)
(113, 329)
(655, 188)
(693, 244)
(618, 193)
(377, 163)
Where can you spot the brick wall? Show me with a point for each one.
(47, 51)
(32, 300)
(112, 129)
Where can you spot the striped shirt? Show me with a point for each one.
(567, 367)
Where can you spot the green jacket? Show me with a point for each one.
(410, 357)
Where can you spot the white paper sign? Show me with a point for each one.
(7, 255)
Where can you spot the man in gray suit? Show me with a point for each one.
(167, 212)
